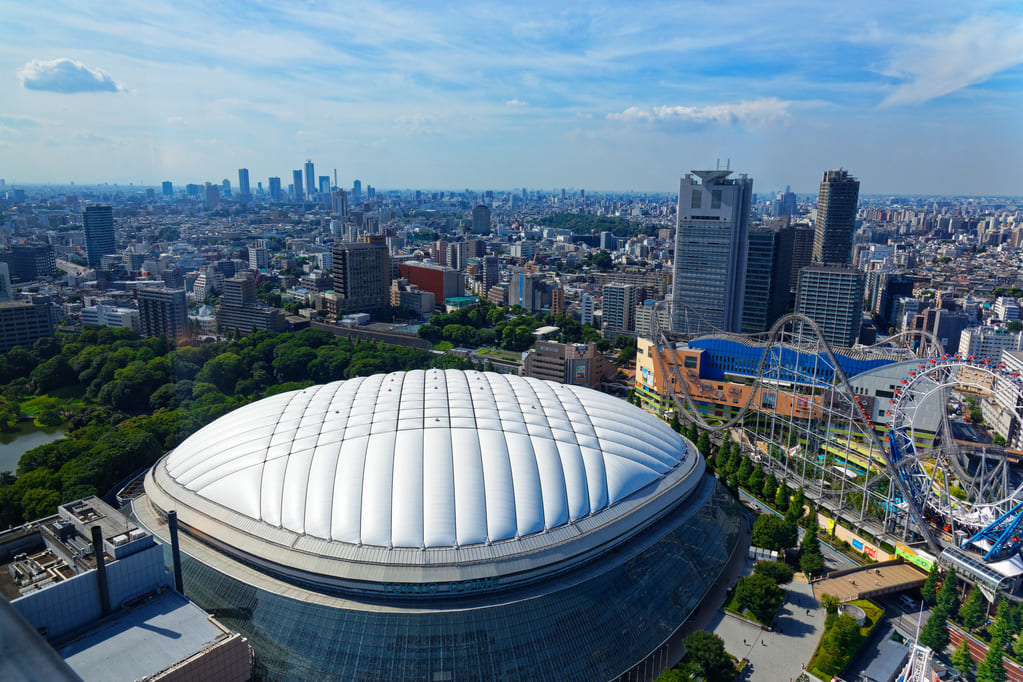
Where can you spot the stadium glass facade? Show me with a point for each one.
(593, 623)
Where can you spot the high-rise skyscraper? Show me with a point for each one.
(168, 188)
(310, 178)
(491, 272)
(362, 276)
(357, 191)
(832, 296)
(339, 203)
(275, 189)
(768, 272)
(99, 233)
(212, 197)
(243, 183)
(163, 312)
(481, 220)
(33, 260)
(324, 186)
(711, 240)
(802, 253)
(619, 309)
(296, 182)
(836, 217)
(784, 204)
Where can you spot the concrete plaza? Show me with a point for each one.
(782, 653)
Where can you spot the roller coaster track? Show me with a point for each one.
(687, 406)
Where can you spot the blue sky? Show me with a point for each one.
(912, 98)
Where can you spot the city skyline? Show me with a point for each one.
(913, 100)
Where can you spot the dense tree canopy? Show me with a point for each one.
(761, 595)
(508, 328)
(591, 224)
(127, 400)
(772, 532)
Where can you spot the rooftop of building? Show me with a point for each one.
(123, 646)
(38, 554)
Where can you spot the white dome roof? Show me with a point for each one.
(427, 459)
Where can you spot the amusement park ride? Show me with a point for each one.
(891, 477)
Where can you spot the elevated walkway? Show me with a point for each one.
(866, 582)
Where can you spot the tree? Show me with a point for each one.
(703, 443)
(761, 595)
(948, 596)
(778, 571)
(771, 532)
(934, 633)
(1000, 629)
(770, 487)
(840, 639)
(811, 561)
(781, 500)
(745, 469)
(52, 373)
(706, 652)
(991, 668)
(929, 591)
(961, 657)
(971, 613)
(830, 603)
(755, 483)
(726, 444)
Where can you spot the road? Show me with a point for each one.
(833, 560)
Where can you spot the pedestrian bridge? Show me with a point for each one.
(866, 582)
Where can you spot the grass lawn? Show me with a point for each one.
(39, 405)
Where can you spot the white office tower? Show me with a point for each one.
(711, 242)
(586, 309)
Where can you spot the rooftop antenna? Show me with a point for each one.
(728, 164)
(717, 164)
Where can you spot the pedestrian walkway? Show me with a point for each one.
(874, 580)
(783, 652)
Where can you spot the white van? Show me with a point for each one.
(907, 601)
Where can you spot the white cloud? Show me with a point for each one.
(748, 113)
(65, 76)
(516, 102)
(940, 64)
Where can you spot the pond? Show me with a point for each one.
(14, 444)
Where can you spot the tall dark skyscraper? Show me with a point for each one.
(362, 276)
(168, 188)
(836, 217)
(163, 312)
(243, 183)
(802, 253)
(296, 181)
(784, 204)
(481, 220)
(711, 241)
(275, 189)
(768, 271)
(99, 233)
(357, 191)
(310, 178)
